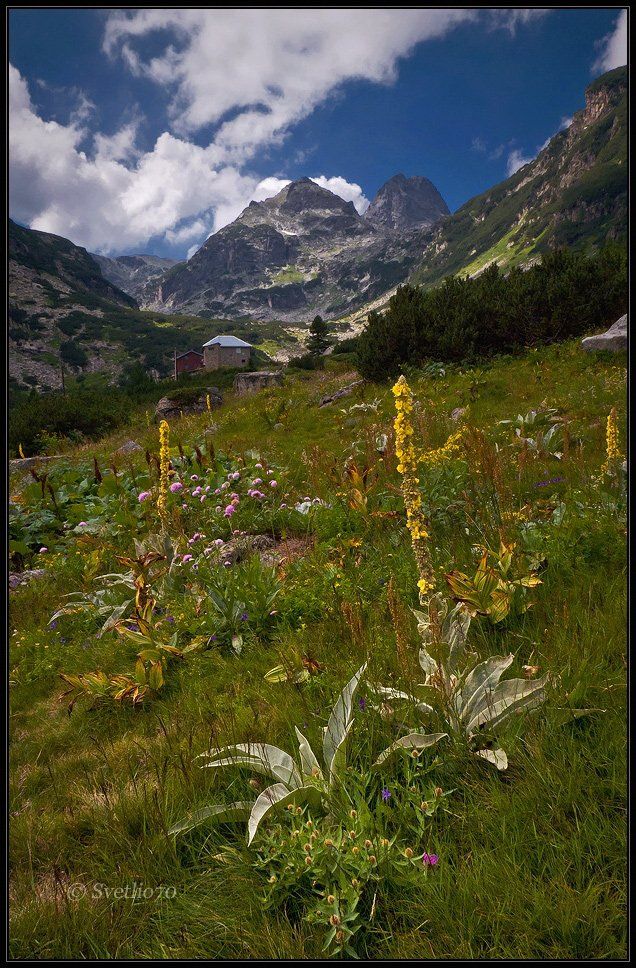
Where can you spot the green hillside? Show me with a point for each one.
(430, 854)
(574, 193)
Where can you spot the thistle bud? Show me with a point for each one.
(438, 791)
(334, 919)
(408, 853)
(331, 899)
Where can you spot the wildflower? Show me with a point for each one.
(144, 496)
(258, 465)
(408, 853)
(613, 453)
(272, 879)
(331, 899)
(407, 467)
(187, 558)
(334, 919)
(219, 542)
(386, 794)
(194, 477)
(362, 703)
(429, 859)
(164, 470)
(273, 483)
(236, 476)
(229, 511)
(353, 813)
(176, 486)
(52, 625)
(368, 844)
(82, 524)
(257, 480)
(244, 617)
(307, 860)
(329, 842)
(438, 791)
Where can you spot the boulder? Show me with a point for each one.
(614, 339)
(128, 447)
(245, 383)
(18, 578)
(27, 463)
(245, 545)
(169, 409)
(344, 392)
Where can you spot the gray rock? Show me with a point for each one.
(128, 447)
(27, 463)
(614, 339)
(458, 413)
(344, 392)
(18, 578)
(245, 383)
(168, 409)
(245, 545)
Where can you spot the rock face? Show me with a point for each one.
(128, 447)
(573, 192)
(302, 252)
(343, 392)
(614, 339)
(245, 383)
(171, 409)
(407, 203)
(131, 273)
(18, 578)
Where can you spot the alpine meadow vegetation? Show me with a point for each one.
(348, 681)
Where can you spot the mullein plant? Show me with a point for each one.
(613, 455)
(470, 697)
(164, 472)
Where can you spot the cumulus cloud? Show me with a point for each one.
(516, 160)
(613, 47)
(240, 80)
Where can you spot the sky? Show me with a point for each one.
(146, 130)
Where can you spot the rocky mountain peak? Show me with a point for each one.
(406, 203)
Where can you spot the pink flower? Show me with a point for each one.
(273, 483)
(43, 550)
(187, 558)
(234, 497)
(144, 496)
(82, 524)
(258, 465)
(229, 511)
(257, 480)
(194, 477)
(236, 476)
(283, 505)
(431, 859)
(176, 486)
(184, 507)
(219, 542)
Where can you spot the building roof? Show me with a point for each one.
(187, 353)
(227, 341)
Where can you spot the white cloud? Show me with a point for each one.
(242, 77)
(516, 160)
(272, 66)
(613, 47)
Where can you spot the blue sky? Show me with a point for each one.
(146, 130)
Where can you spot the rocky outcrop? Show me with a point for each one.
(302, 252)
(407, 203)
(169, 408)
(20, 578)
(614, 339)
(245, 383)
(128, 447)
(132, 273)
(344, 392)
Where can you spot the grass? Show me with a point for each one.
(532, 862)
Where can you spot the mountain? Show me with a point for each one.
(407, 203)
(303, 251)
(131, 273)
(574, 193)
(66, 318)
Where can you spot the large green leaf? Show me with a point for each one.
(261, 757)
(413, 741)
(278, 795)
(339, 724)
(239, 810)
(511, 696)
(477, 685)
(309, 765)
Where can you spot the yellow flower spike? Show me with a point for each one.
(164, 470)
(613, 454)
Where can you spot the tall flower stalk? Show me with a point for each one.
(613, 454)
(164, 471)
(408, 458)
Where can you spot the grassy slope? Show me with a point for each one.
(490, 225)
(531, 863)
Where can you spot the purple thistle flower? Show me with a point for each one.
(386, 794)
(429, 859)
